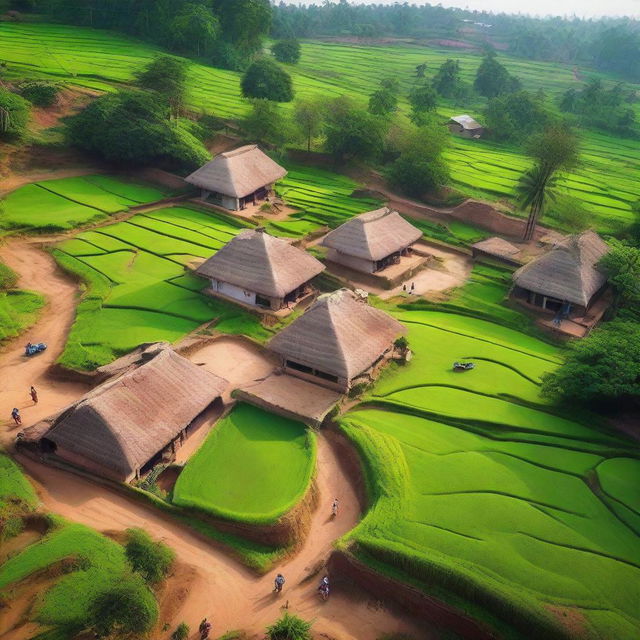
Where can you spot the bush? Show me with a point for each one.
(286, 51)
(289, 627)
(40, 93)
(149, 558)
(8, 277)
(267, 80)
(14, 116)
(181, 632)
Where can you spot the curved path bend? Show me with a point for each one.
(217, 586)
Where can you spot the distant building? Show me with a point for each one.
(260, 270)
(237, 178)
(566, 277)
(465, 126)
(371, 241)
(125, 425)
(337, 341)
(497, 249)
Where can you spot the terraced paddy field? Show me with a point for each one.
(66, 203)
(137, 289)
(253, 467)
(98, 59)
(483, 497)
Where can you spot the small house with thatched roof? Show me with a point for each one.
(237, 178)
(465, 126)
(260, 270)
(566, 277)
(497, 249)
(371, 241)
(337, 341)
(125, 425)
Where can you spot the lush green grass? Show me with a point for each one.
(253, 467)
(57, 205)
(15, 489)
(136, 286)
(488, 503)
(18, 311)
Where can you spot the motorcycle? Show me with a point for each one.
(31, 349)
(463, 366)
(323, 589)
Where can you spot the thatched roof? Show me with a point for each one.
(124, 422)
(568, 271)
(338, 334)
(373, 235)
(497, 247)
(258, 262)
(467, 122)
(238, 173)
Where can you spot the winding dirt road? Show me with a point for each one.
(216, 585)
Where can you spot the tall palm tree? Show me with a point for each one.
(535, 188)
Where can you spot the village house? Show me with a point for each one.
(260, 270)
(566, 278)
(465, 126)
(129, 423)
(337, 341)
(497, 249)
(371, 241)
(237, 178)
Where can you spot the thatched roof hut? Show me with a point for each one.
(119, 426)
(466, 126)
(337, 338)
(259, 263)
(568, 272)
(497, 248)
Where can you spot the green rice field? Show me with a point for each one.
(273, 461)
(18, 311)
(58, 205)
(99, 59)
(137, 289)
(484, 497)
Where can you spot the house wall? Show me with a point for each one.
(359, 264)
(342, 385)
(85, 463)
(230, 290)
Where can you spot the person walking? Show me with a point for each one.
(15, 414)
(204, 628)
(334, 507)
(413, 287)
(34, 395)
(279, 583)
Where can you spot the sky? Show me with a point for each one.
(581, 8)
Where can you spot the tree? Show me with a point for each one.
(265, 124)
(290, 627)
(422, 99)
(384, 101)
(601, 369)
(194, 30)
(167, 76)
(352, 132)
(126, 608)
(14, 116)
(447, 79)
(555, 149)
(151, 559)
(515, 116)
(131, 128)
(421, 70)
(267, 80)
(492, 79)
(287, 51)
(309, 115)
(622, 266)
(244, 22)
(40, 92)
(420, 167)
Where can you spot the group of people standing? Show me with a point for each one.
(15, 413)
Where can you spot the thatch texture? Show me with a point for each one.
(497, 247)
(238, 173)
(121, 424)
(338, 334)
(568, 271)
(259, 262)
(466, 122)
(373, 235)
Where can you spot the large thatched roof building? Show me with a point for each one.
(565, 275)
(371, 241)
(338, 339)
(122, 427)
(236, 178)
(260, 270)
(465, 126)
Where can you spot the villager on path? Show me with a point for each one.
(15, 414)
(334, 508)
(34, 395)
(279, 582)
(413, 287)
(204, 628)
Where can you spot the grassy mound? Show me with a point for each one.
(253, 467)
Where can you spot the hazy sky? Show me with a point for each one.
(582, 8)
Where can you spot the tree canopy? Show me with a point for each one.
(622, 266)
(14, 115)
(167, 76)
(266, 124)
(515, 116)
(492, 78)
(309, 116)
(265, 79)
(423, 99)
(287, 51)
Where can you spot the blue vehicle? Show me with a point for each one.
(463, 366)
(33, 348)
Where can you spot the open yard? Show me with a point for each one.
(488, 500)
(253, 467)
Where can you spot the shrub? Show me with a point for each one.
(150, 558)
(40, 93)
(289, 627)
(181, 632)
(286, 51)
(8, 277)
(267, 80)
(14, 116)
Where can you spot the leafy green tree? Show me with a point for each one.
(266, 124)
(384, 101)
(131, 128)
(447, 79)
(244, 22)
(492, 79)
(423, 100)
(14, 116)
(420, 168)
(167, 76)
(309, 116)
(194, 30)
(554, 150)
(601, 369)
(290, 627)
(265, 79)
(622, 266)
(287, 51)
(148, 557)
(515, 116)
(352, 132)
(40, 92)
(421, 70)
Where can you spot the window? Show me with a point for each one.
(299, 367)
